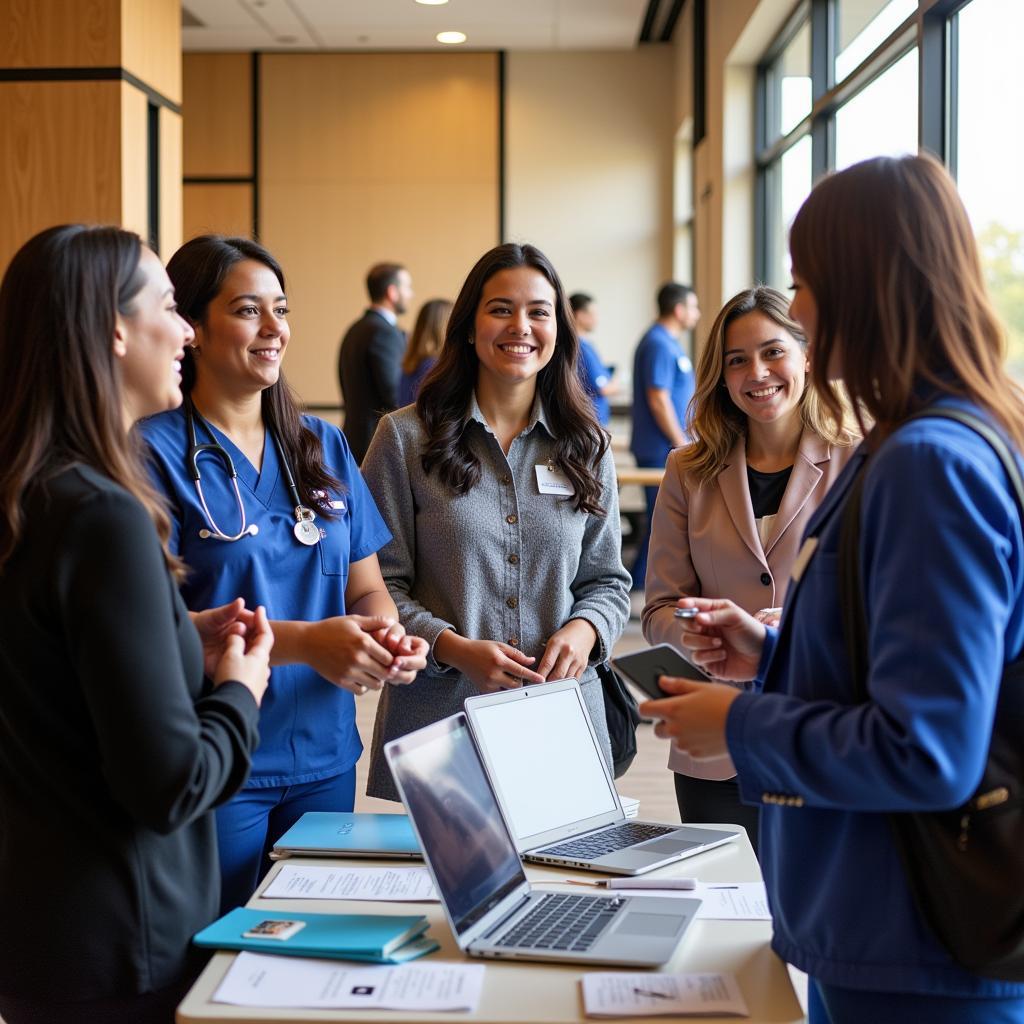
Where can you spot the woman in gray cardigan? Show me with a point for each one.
(499, 489)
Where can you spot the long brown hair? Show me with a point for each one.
(713, 418)
(580, 443)
(197, 271)
(887, 251)
(428, 335)
(64, 402)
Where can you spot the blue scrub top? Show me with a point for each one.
(660, 362)
(307, 725)
(594, 376)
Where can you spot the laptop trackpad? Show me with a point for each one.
(668, 845)
(650, 925)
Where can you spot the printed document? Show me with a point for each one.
(255, 979)
(654, 995)
(313, 882)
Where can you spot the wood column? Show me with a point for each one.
(90, 118)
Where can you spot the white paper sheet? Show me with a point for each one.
(255, 979)
(313, 882)
(654, 995)
(720, 901)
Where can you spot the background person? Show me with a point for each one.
(595, 376)
(500, 492)
(734, 503)
(899, 313)
(336, 625)
(370, 357)
(424, 345)
(662, 389)
(113, 747)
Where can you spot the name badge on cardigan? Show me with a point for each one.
(551, 480)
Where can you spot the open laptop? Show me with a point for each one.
(543, 759)
(492, 910)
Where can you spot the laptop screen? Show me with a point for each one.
(451, 803)
(544, 758)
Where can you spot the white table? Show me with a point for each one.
(528, 993)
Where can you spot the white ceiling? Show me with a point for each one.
(407, 25)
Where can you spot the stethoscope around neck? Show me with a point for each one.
(306, 532)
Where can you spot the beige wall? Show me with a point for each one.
(371, 157)
(589, 178)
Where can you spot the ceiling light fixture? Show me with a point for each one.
(431, 3)
(451, 38)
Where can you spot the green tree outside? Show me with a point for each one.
(1002, 257)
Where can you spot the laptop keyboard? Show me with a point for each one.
(618, 838)
(563, 922)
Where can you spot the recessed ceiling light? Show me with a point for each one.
(431, 3)
(451, 37)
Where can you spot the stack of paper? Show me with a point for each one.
(375, 938)
(657, 995)
(255, 980)
(630, 806)
(303, 881)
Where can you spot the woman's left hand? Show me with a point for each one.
(215, 625)
(567, 651)
(694, 720)
(410, 652)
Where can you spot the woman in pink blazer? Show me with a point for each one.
(733, 504)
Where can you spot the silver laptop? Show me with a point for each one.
(557, 794)
(479, 876)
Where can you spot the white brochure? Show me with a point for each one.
(313, 882)
(657, 995)
(720, 901)
(255, 979)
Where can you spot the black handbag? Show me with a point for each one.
(965, 867)
(621, 716)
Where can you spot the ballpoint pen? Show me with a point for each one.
(637, 883)
(651, 993)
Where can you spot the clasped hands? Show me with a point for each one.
(725, 640)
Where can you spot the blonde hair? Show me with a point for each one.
(887, 251)
(713, 419)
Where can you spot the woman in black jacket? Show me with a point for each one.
(123, 719)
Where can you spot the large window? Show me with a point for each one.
(838, 85)
(987, 149)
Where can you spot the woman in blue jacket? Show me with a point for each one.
(898, 312)
(296, 526)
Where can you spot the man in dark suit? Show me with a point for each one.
(370, 360)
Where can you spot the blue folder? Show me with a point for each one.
(348, 834)
(374, 938)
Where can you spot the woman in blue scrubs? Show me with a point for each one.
(297, 531)
(889, 289)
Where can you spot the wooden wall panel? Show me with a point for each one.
(134, 161)
(60, 33)
(170, 183)
(221, 209)
(151, 44)
(60, 157)
(217, 108)
(369, 157)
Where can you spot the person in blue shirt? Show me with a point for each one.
(424, 344)
(663, 385)
(297, 531)
(595, 376)
(899, 314)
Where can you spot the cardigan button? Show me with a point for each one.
(512, 519)
(513, 559)
(512, 602)
(766, 578)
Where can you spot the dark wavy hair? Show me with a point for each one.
(59, 303)
(444, 398)
(197, 271)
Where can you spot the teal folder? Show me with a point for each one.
(375, 938)
(348, 834)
